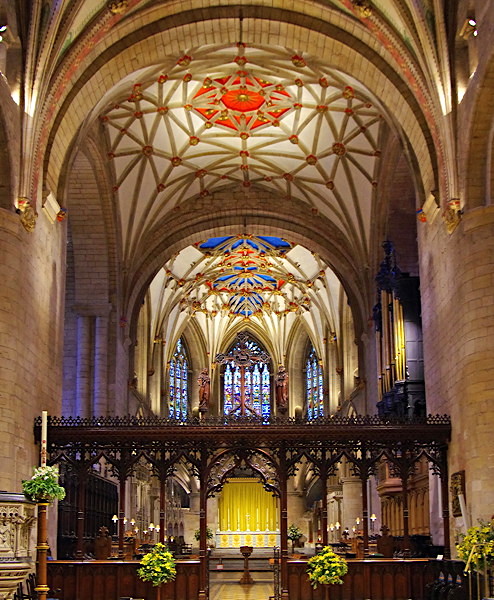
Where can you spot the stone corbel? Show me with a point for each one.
(27, 214)
(452, 214)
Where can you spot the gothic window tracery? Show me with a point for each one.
(178, 372)
(252, 381)
(314, 388)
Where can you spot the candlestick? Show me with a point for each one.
(44, 435)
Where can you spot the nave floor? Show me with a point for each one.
(235, 591)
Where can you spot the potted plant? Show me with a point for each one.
(43, 485)
(294, 533)
(326, 568)
(157, 566)
(209, 534)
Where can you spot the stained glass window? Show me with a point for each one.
(252, 382)
(179, 383)
(314, 388)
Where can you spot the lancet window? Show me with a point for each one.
(314, 388)
(178, 372)
(246, 387)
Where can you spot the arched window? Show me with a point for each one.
(314, 389)
(246, 379)
(178, 372)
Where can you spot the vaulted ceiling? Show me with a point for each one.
(196, 124)
(237, 116)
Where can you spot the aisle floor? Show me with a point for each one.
(235, 591)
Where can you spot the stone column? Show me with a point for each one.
(101, 366)
(352, 502)
(335, 498)
(457, 294)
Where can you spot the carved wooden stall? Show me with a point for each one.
(214, 447)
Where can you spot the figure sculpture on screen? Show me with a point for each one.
(204, 390)
(281, 382)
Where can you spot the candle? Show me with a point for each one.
(44, 435)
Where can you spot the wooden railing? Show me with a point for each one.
(111, 580)
(385, 579)
(372, 579)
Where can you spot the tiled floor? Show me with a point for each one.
(235, 591)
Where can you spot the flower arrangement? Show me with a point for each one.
(294, 533)
(326, 568)
(477, 545)
(43, 485)
(197, 534)
(157, 566)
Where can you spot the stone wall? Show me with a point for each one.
(31, 327)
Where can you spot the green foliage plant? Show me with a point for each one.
(326, 568)
(478, 545)
(157, 566)
(197, 534)
(43, 485)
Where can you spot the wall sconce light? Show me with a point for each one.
(132, 522)
(114, 518)
(357, 520)
(373, 520)
(332, 526)
(151, 526)
(337, 525)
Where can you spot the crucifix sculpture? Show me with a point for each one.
(244, 358)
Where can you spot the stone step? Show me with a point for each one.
(234, 576)
(237, 564)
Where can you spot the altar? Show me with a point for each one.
(247, 515)
(256, 539)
